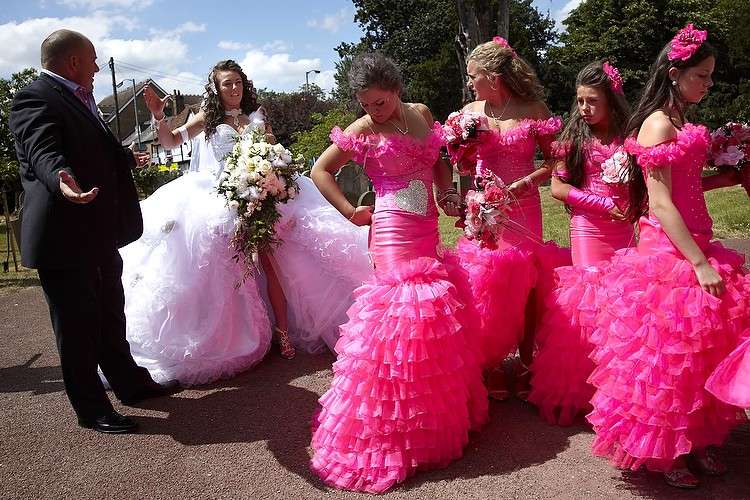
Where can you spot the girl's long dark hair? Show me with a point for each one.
(659, 93)
(577, 132)
(213, 108)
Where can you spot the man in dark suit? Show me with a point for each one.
(81, 205)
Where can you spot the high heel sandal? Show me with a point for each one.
(681, 478)
(497, 384)
(708, 463)
(523, 382)
(286, 348)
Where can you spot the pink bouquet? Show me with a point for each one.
(486, 210)
(461, 132)
(730, 148)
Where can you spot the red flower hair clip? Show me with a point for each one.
(504, 43)
(615, 80)
(686, 42)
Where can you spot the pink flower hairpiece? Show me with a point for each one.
(615, 80)
(686, 42)
(504, 43)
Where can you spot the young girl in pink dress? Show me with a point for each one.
(672, 310)
(590, 178)
(407, 388)
(503, 280)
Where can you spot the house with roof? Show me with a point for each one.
(135, 119)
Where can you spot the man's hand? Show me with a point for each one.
(142, 158)
(72, 192)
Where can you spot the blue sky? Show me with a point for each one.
(176, 42)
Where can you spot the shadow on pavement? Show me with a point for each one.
(260, 405)
(24, 377)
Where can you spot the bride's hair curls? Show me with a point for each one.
(213, 108)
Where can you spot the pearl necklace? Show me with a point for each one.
(234, 113)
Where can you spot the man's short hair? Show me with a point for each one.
(59, 45)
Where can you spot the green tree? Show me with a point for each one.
(630, 33)
(420, 36)
(9, 176)
(290, 112)
(311, 143)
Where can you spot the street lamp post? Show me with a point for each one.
(307, 81)
(135, 109)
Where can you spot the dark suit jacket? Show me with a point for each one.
(54, 131)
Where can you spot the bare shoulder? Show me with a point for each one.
(423, 110)
(536, 110)
(656, 128)
(359, 126)
(475, 106)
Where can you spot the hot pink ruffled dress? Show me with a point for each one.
(562, 365)
(659, 335)
(502, 279)
(407, 386)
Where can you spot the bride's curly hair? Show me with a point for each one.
(213, 108)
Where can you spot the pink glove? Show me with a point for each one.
(589, 201)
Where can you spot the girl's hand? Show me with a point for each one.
(709, 279)
(451, 204)
(362, 216)
(617, 214)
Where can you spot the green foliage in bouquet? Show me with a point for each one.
(257, 177)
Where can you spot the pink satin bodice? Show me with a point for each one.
(404, 225)
(510, 155)
(685, 156)
(595, 237)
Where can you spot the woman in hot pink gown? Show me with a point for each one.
(407, 386)
(503, 280)
(672, 310)
(591, 179)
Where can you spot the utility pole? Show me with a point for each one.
(114, 94)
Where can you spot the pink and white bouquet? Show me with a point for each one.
(461, 133)
(487, 210)
(616, 169)
(730, 148)
(257, 176)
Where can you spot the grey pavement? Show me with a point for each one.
(248, 438)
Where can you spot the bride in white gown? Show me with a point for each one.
(186, 319)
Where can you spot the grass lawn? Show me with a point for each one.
(730, 209)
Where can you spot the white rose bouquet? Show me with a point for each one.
(257, 176)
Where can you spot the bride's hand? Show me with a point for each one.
(362, 216)
(154, 103)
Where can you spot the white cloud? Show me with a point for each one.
(277, 71)
(188, 27)
(277, 46)
(563, 13)
(166, 53)
(325, 80)
(332, 22)
(229, 45)
(99, 4)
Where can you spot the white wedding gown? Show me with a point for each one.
(186, 319)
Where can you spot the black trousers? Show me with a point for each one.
(87, 308)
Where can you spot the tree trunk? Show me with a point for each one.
(477, 23)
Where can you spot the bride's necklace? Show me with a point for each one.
(495, 117)
(406, 122)
(235, 114)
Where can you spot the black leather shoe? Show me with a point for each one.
(114, 423)
(153, 391)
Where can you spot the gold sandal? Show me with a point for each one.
(681, 478)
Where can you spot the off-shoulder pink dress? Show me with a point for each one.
(501, 280)
(658, 334)
(407, 386)
(561, 365)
